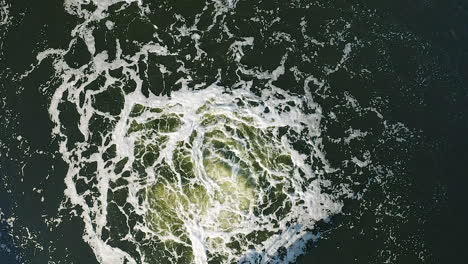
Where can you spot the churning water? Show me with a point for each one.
(208, 132)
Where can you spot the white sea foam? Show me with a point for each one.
(4, 13)
(220, 204)
(309, 204)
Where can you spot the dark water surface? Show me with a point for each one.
(402, 84)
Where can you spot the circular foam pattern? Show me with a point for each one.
(216, 175)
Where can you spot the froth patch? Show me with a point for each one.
(203, 175)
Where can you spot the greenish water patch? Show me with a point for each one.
(225, 174)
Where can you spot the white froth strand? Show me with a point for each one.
(4, 13)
